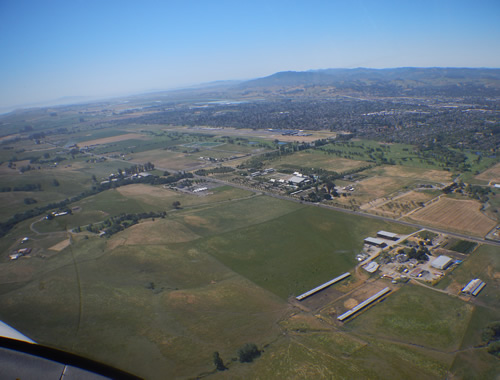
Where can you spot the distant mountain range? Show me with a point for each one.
(389, 82)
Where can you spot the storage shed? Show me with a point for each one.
(442, 262)
(376, 242)
(387, 235)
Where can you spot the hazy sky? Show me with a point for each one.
(50, 49)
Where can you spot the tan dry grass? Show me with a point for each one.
(462, 215)
(107, 140)
(169, 160)
(61, 245)
(376, 187)
(144, 191)
(161, 231)
(417, 173)
(492, 174)
(350, 303)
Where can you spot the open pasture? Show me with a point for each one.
(312, 349)
(317, 160)
(112, 139)
(459, 215)
(418, 174)
(484, 263)
(163, 198)
(155, 311)
(164, 159)
(490, 175)
(439, 321)
(373, 188)
(405, 203)
(294, 253)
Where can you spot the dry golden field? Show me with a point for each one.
(492, 174)
(107, 140)
(462, 215)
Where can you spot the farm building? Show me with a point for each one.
(387, 235)
(371, 267)
(294, 180)
(417, 272)
(376, 242)
(474, 287)
(442, 262)
(363, 304)
(323, 286)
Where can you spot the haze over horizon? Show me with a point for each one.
(101, 49)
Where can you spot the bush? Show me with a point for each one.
(248, 353)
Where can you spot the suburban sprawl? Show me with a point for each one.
(293, 226)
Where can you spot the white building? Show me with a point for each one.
(442, 262)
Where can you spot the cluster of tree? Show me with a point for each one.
(420, 253)
(5, 227)
(246, 354)
(220, 169)
(478, 192)
(25, 187)
(118, 223)
(136, 169)
(491, 337)
(29, 201)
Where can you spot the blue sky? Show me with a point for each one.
(51, 49)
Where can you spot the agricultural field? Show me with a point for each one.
(491, 175)
(317, 160)
(387, 183)
(112, 139)
(458, 215)
(202, 272)
(403, 204)
(160, 278)
(484, 263)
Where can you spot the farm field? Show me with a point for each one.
(181, 284)
(405, 203)
(415, 173)
(490, 175)
(484, 263)
(459, 215)
(317, 160)
(222, 267)
(112, 139)
(390, 181)
(439, 323)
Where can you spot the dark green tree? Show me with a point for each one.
(219, 364)
(248, 353)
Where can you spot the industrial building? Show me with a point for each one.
(442, 262)
(387, 235)
(474, 287)
(376, 242)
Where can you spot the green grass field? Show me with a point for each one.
(417, 316)
(158, 298)
(484, 263)
(295, 252)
